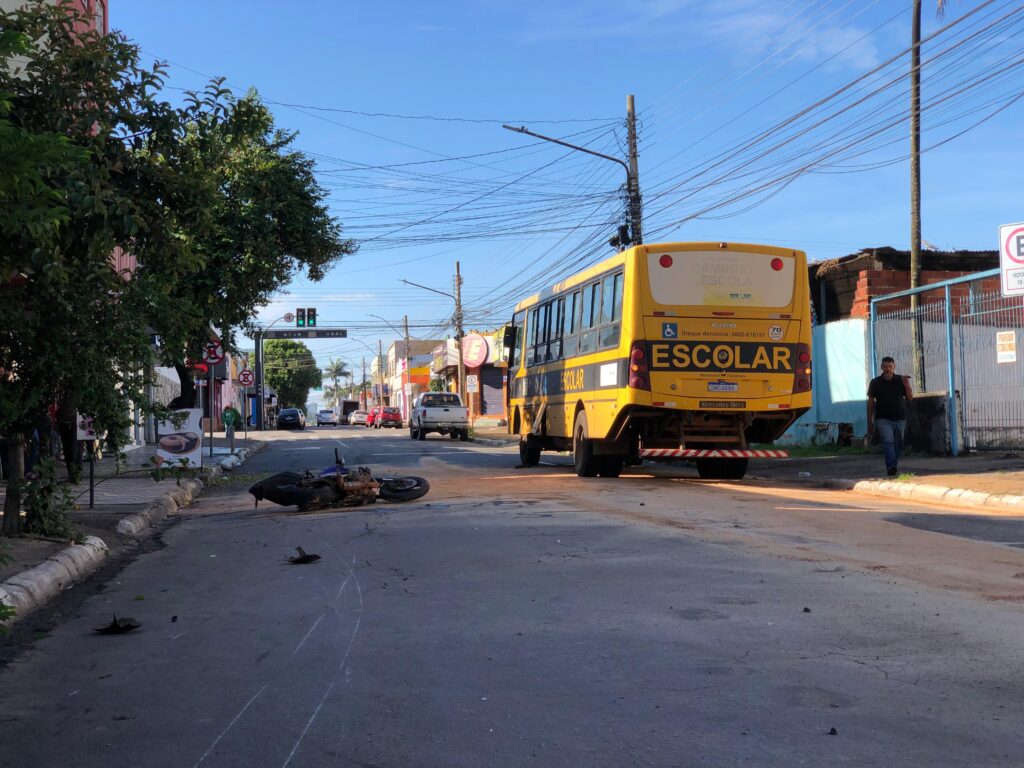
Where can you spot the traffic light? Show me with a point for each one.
(300, 318)
(311, 317)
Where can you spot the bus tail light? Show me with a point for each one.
(638, 372)
(802, 369)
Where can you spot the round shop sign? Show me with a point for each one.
(775, 332)
(474, 350)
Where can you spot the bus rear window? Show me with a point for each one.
(721, 278)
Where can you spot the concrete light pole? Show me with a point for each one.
(635, 212)
(456, 320)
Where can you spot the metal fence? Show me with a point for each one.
(969, 335)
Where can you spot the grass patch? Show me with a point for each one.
(903, 477)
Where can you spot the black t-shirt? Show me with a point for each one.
(890, 397)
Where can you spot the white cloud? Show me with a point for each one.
(745, 31)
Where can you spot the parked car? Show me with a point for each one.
(371, 417)
(291, 418)
(357, 417)
(326, 416)
(388, 417)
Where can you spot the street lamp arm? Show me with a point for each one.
(389, 325)
(521, 129)
(426, 288)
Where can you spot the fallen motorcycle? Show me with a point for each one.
(336, 486)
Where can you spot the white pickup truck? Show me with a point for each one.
(438, 412)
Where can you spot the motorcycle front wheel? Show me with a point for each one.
(403, 488)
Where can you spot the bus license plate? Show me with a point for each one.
(723, 386)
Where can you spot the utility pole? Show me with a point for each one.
(634, 215)
(407, 393)
(633, 177)
(362, 386)
(260, 383)
(916, 329)
(459, 333)
(380, 369)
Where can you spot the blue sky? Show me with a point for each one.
(402, 105)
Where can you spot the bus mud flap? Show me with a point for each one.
(538, 421)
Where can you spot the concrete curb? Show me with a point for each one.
(29, 589)
(32, 588)
(977, 501)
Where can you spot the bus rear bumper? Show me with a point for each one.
(712, 453)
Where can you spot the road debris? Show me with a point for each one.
(118, 626)
(303, 557)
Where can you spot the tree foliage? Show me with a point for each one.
(216, 207)
(290, 369)
(269, 222)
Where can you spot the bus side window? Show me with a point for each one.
(571, 325)
(544, 334)
(591, 315)
(516, 350)
(557, 327)
(531, 338)
(611, 311)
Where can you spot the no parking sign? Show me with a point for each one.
(1011, 259)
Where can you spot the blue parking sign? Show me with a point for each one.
(669, 331)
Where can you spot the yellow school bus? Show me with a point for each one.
(664, 351)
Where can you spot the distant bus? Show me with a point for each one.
(666, 351)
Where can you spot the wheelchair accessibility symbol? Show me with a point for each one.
(669, 331)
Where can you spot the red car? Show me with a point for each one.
(388, 417)
(371, 417)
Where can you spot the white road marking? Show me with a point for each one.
(343, 445)
(416, 453)
(310, 632)
(230, 726)
(303, 449)
(341, 666)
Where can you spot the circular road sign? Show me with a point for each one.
(288, 317)
(1011, 247)
(246, 378)
(214, 353)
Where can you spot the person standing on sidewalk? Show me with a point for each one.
(887, 412)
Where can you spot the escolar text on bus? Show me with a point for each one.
(737, 356)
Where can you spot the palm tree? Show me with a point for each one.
(915, 184)
(335, 370)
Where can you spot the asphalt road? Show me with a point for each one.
(532, 618)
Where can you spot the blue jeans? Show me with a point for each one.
(890, 433)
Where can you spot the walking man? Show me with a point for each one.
(887, 412)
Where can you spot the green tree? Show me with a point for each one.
(71, 329)
(335, 369)
(291, 370)
(269, 223)
(30, 200)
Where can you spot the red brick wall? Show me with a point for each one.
(872, 283)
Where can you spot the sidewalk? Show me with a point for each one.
(989, 482)
(127, 501)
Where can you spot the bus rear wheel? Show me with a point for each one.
(583, 458)
(722, 469)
